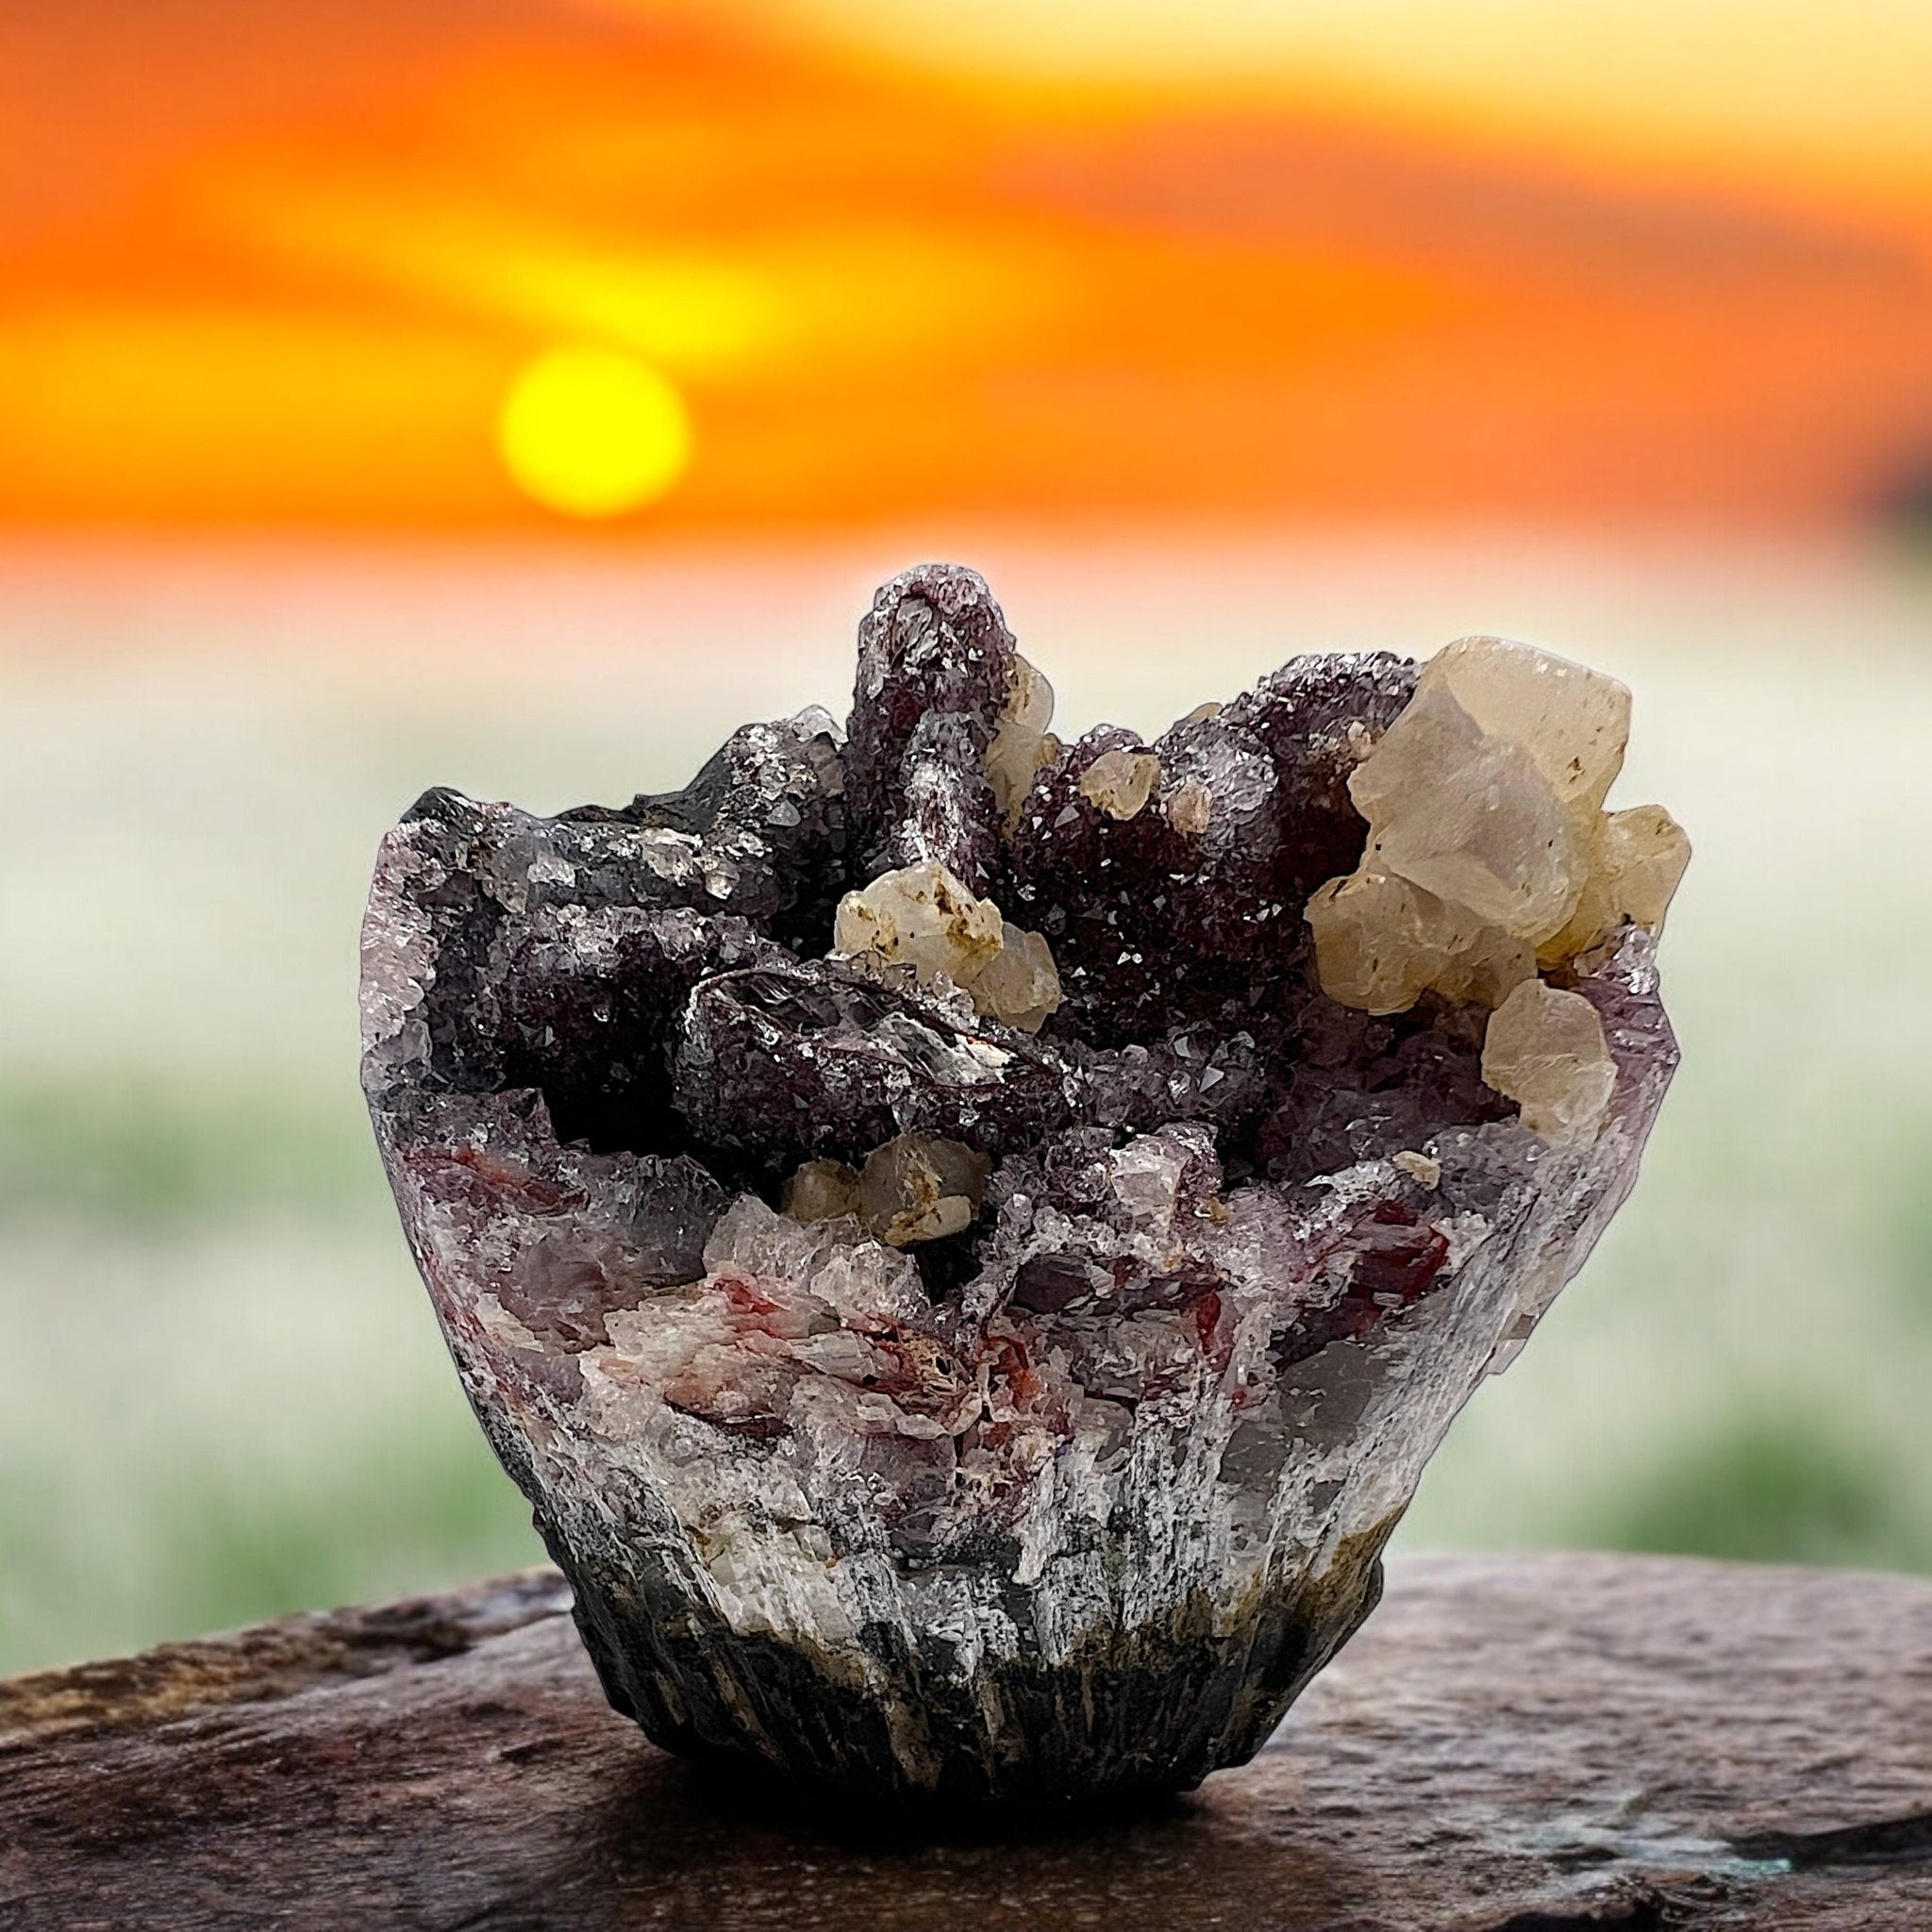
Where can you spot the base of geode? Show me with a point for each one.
(1133, 1712)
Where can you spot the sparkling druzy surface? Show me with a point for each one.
(967, 1242)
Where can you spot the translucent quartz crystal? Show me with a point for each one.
(967, 1275)
(923, 918)
(1545, 1049)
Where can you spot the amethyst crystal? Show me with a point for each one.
(967, 1243)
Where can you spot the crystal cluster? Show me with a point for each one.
(967, 1240)
(1489, 853)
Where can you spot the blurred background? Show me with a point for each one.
(519, 393)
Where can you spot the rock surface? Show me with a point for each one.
(1535, 1743)
(940, 1386)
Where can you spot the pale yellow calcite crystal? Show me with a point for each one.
(915, 1187)
(1121, 782)
(1643, 855)
(1189, 808)
(1421, 1168)
(820, 1191)
(1380, 943)
(1637, 857)
(1021, 744)
(1489, 853)
(1471, 817)
(1020, 984)
(1545, 1050)
(923, 918)
(919, 1187)
(1490, 857)
(1572, 721)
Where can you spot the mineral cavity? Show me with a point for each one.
(967, 1241)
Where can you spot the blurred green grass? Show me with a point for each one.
(222, 1393)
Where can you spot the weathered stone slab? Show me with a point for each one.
(1522, 1744)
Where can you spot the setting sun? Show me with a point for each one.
(593, 433)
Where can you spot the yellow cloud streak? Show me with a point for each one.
(693, 315)
(822, 297)
(1824, 93)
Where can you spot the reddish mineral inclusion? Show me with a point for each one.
(968, 1242)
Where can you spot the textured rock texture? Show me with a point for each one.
(939, 1404)
(1532, 1744)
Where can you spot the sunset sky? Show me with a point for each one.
(457, 264)
(519, 394)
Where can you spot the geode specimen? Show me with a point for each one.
(968, 1243)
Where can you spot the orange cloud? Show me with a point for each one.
(284, 264)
